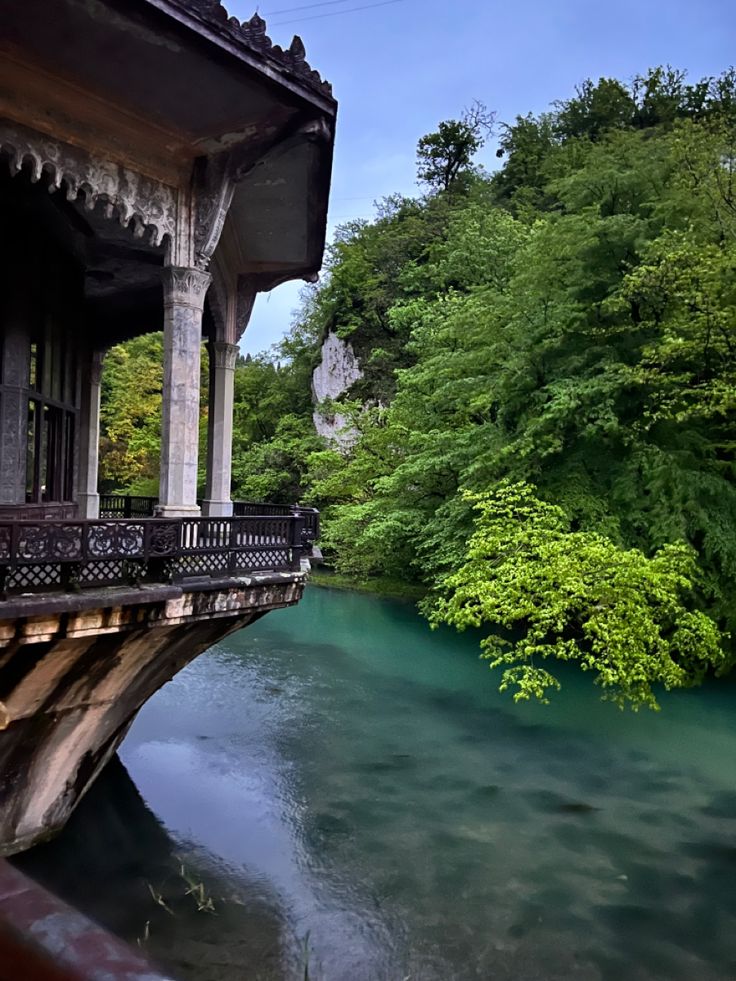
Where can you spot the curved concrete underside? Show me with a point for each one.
(72, 681)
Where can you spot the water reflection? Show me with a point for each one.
(116, 862)
(357, 782)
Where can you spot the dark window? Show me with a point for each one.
(52, 419)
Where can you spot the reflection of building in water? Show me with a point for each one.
(160, 164)
(116, 863)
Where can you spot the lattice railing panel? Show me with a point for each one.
(255, 561)
(104, 573)
(33, 578)
(203, 565)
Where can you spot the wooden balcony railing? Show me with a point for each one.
(38, 556)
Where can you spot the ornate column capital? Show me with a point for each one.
(185, 286)
(223, 355)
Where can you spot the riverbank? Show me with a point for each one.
(379, 586)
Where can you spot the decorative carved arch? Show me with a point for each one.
(230, 303)
(144, 205)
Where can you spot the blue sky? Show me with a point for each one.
(400, 68)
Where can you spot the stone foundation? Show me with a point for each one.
(75, 670)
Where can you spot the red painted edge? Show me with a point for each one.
(44, 939)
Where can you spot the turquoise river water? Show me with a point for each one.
(338, 793)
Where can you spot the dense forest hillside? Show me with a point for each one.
(543, 433)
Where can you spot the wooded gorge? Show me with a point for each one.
(544, 429)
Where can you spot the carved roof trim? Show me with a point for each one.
(251, 34)
(143, 205)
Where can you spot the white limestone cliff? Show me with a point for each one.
(333, 376)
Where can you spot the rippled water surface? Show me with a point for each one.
(352, 796)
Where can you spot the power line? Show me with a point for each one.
(306, 6)
(335, 13)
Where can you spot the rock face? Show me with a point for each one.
(338, 370)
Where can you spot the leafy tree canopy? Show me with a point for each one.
(544, 429)
(445, 156)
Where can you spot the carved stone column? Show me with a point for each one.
(89, 437)
(217, 503)
(184, 293)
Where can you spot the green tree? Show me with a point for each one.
(545, 422)
(445, 156)
(583, 347)
(547, 591)
(130, 416)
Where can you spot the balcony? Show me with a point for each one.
(128, 546)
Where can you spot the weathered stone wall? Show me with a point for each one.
(72, 681)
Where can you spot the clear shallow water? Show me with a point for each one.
(350, 789)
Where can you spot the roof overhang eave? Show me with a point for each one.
(221, 34)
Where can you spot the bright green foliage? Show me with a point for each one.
(370, 267)
(545, 426)
(445, 157)
(571, 326)
(273, 469)
(130, 416)
(549, 592)
(273, 434)
(536, 149)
